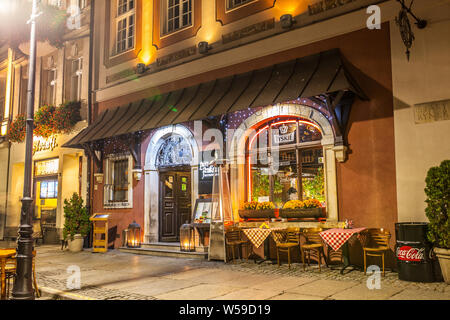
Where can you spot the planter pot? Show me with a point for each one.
(444, 261)
(302, 213)
(246, 214)
(76, 245)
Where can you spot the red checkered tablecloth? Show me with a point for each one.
(335, 238)
(258, 235)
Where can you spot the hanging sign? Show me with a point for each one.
(285, 134)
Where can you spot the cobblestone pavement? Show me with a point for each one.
(121, 276)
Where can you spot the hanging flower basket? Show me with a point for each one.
(17, 129)
(48, 121)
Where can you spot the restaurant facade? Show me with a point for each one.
(305, 100)
(322, 100)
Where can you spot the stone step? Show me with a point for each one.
(169, 246)
(174, 252)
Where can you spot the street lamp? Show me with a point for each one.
(23, 289)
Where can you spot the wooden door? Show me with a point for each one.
(175, 204)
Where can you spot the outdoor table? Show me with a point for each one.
(4, 255)
(258, 236)
(337, 238)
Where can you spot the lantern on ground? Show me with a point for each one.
(134, 235)
(187, 237)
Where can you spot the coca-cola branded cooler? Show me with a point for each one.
(413, 252)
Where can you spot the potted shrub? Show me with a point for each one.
(311, 208)
(437, 191)
(76, 225)
(254, 209)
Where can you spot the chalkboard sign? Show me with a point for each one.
(206, 173)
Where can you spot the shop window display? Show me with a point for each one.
(288, 165)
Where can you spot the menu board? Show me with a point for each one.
(206, 173)
(203, 210)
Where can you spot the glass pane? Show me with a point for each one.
(259, 178)
(285, 179)
(309, 133)
(313, 175)
(168, 187)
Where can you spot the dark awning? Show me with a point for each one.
(300, 78)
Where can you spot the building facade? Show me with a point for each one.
(163, 65)
(323, 90)
(62, 74)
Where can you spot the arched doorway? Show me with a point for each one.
(171, 171)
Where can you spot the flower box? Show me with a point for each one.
(303, 213)
(266, 213)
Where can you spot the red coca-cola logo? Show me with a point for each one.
(407, 253)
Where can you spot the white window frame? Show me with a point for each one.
(165, 17)
(119, 18)
(76, 75)
(109, 178)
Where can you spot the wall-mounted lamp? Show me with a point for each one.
(137, 174)
(203, 47)
(287, 21)
(141, 68)
(98, 177)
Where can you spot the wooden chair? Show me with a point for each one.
(11, 266)
(233, 239)
(313, 242)
(379, 239)
(37, 231)
(287, 240)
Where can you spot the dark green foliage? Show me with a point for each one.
(76, 217)
(438, 200)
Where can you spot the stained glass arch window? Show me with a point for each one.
(174, 151)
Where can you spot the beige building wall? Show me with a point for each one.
(425, 78)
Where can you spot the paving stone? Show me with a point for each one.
(120, 276)
(284, 283)
(295, 296)
(249, 294)
(362, 292)
(322, 288)
(199, 292)
(415, 294)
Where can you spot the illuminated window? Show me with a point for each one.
(285, 162)
(23, 90)
(231, 4)
(117, 187)
(125, 25)
(177, 15)
(49, 189)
